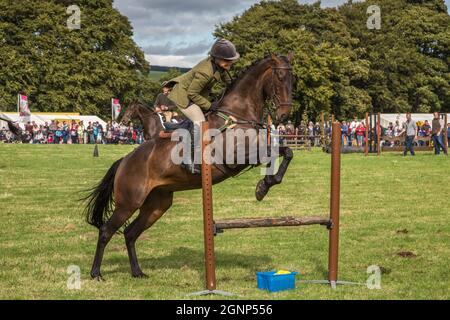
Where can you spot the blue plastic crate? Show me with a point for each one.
(273, 283)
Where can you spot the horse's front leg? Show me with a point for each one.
(265, 184)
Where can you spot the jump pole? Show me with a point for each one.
(445, 132)
(335, 196)
(208, 221)
(366, 146)
(378, 134)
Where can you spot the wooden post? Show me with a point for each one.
(366, 146)
(208, 224)
(379, 134)
(333, 252)
(445, 133)
(322, 129)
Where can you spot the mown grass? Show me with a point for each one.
(389, 205)
(156, 75)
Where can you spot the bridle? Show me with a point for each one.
(275, 98)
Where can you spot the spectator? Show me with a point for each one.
(360, 130)
(109, 132)
(344, 130)
(290, 129)
(80, 132)
(410, 128)
(64, 132)
(436, 131)
(74, 132)
(90, 133)
(99, 133)
(352, 134)
(57, 138)
(448, 134)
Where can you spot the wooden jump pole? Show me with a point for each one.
(208, 221)
(445, 132)
(335, 195)
(378, 134)
(366, 133)
(210, 265)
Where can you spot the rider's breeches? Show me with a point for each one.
(195, 114)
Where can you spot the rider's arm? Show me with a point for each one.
(196, 87)
(226, 78)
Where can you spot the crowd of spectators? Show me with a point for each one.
(63, 132)
(55, 132)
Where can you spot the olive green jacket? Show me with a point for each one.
(196, 84)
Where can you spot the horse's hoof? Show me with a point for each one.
(261, 190)
(98, 278)
(140, 275)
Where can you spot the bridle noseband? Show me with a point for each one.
(275, 96)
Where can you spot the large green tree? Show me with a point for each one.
(69, 70)
(409, 55)
(344, 68)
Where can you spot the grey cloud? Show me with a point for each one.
(175, 27)
(179, 49)
(164, 18)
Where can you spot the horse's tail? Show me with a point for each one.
(100, 199)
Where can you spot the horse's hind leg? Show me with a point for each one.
(153, 208)
(265, 184)
(118, 218)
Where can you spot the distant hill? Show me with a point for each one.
(166, 69)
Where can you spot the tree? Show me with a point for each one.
(69, 70)
(346, 69)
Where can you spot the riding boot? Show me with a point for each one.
(194, 165)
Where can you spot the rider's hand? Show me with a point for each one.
(214, 106)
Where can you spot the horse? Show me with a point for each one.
(147, 178)
(150, 120)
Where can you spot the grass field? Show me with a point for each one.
(394, 214)
(156, 75)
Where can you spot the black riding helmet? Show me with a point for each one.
(224, 49)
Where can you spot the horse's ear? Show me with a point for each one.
(290, 56)
(274, 57)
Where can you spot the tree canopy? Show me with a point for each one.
(341, 66)
(69, 70)
(344, 68)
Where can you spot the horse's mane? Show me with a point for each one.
(242, 72)
(140, 104)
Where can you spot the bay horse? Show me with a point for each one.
(150, 120)
(146, 178)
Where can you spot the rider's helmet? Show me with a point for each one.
(224, 49)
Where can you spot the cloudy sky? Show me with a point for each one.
(179, 32)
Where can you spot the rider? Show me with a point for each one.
(191, 90)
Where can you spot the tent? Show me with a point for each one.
(42, 117)
(401, 117)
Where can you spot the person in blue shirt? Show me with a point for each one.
(448, 134)
(344, 129)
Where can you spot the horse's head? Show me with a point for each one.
(279, 86)
(129, 113)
